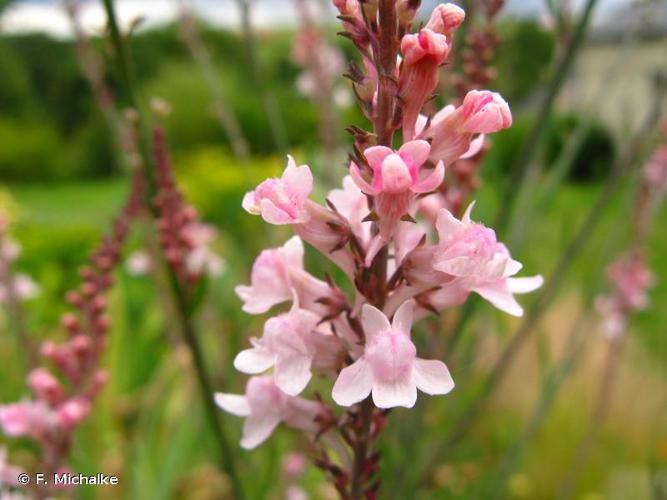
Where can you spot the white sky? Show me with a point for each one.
(47, 16)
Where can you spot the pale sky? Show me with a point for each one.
(47, 16)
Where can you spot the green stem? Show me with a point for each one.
(531, 144)
(179, 295)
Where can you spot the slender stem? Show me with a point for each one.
(268, 99)
(180, 298)
(531, 144)
(598, 417)
(361, 450)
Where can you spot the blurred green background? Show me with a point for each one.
(61, 185)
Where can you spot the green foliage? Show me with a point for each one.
(523, 59)
(595, 154)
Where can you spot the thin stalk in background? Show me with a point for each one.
(619, 171)
(276, 123)
(223, 112)
(181, 302)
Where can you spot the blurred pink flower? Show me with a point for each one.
(446, 18)
(138, 263)
(8, 473)
(24, 287)
(29, 418)
(264, 406)
(389, 367)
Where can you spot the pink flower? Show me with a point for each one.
(452, 130)
(45, 386)
(470, 252)
(8, 473)
(446, 18)
(73, 412)
(281, 201)
(264, 406)
(423, 53)
(287, 346)
(26, 419)
(394, 184)
(24, 288)
(201, 259)
(631, 279)
(389, 367)
(275, 273)
(139, 263)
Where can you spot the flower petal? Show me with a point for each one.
(353, 384)
(249, 204)
(375, 154)
(447, 225)
(398, 393)
(292, 373)
(273, 215)
(525, 285)
(432, 181)
(417, 151)
(466, 216)
(500, 296)
(254, 360)
(373, 320)
(298, 179)
(257, 428)
(432, 376)
(475, 147)
(403, 317)
(233, 403)
(359, 180)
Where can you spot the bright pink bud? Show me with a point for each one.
(446, 18)
(423, 53)
(73, 412)
(485, 112)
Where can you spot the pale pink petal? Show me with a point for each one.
(233, 403)
(255, 360)
(447, 225)
(466, 216)
(512, 267)
(475, 147)
(525, 285)
(402, 392)
(431, 182)
(292, 373)
(375, 154)
(418, 151)
(403, 317)
(377, 243)
(256, 303)
(443, 113)
(373, 320)
(353, 384)
(292, 252)
(257, 428)
(359, 180)
(249, 204)
(298, 179)
(273, 215)
(432, 376)
(499, 295)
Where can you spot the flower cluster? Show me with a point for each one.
(64, 392)
(185, 241)
(402, 265)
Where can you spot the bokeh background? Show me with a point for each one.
(61, 183)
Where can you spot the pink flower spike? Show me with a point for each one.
(485, 112)
(280, 201)
(389, 367)
(264, 406)
(288, 346)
